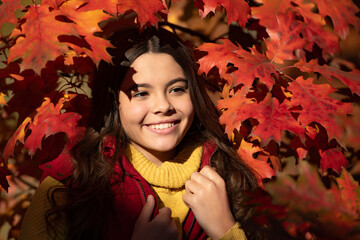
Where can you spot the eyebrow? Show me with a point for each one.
(146, 85)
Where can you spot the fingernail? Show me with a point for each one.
(149, 197)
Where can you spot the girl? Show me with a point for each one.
(154, 162)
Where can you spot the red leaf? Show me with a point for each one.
(19, 135)
(250, 65)
(233, 111)
(343, 13)
(40, 44)
(307, 199)
(284, 38)
(60, 167)
(236, 10)
(332, 158)
(145, 10)
(351, 79)
(49, 121)
(350, 191)
(261, 169)
(273, 117)
(268, 11)
(317, 106)
(9, 7)
(86, 25)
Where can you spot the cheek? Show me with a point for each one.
(131, 113)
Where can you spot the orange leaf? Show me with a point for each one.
(86, 24)
(285, 38)
(343, 13)
(351, 79)
(317, 106)
(19, 135)
(40, 44)
(145, 10)
(9, 7)
(2, 98)
(236, 10)
(261, 168)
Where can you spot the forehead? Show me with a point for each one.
(153, 68)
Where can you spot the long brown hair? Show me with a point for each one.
(89, 188)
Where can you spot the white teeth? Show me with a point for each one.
(162, 126)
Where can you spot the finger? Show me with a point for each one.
(147, 210)
(188, 199)
(211, 174)
(165, 212)
(192, 186)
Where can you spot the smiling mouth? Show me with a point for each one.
(162, 125)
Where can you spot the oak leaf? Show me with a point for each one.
(351, 79)
(9, 7)
(145, 10)
(317, 105)
(350, 191)
(262, 169)
(285, 38)
(333, 159)
(40, 43)
(343, 13)
(236, 10)
(307, 199)
(48, 121)
(250, 65)
(86, 24)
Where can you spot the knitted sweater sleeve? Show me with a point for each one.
(34, 224)
(234, 233)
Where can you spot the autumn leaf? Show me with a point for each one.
(236, 10)
(60, 167)
(232, 110)
(2, 99)
(261, 169)
(317, 105)
(49, 121)
(250, 65)
(109, 6)
(285, 38)
(218, 55)
(145, 10)
(350, 191)
(86, 24)
(307, 199)
(342, 13)
(9, 7)
(19, 135)
(40, 43)
(268, 11)
(273, 119)
(351, 79)
(333, 159)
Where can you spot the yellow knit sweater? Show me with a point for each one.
(168, 181)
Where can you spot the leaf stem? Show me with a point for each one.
(186, 30)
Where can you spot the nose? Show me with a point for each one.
(162, 104)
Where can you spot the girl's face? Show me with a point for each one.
(155, 106)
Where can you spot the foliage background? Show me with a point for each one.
(270, 67)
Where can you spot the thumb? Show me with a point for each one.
(146, 212)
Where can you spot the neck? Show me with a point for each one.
(156, 157)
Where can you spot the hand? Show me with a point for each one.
(206, 196)
(162, 227)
